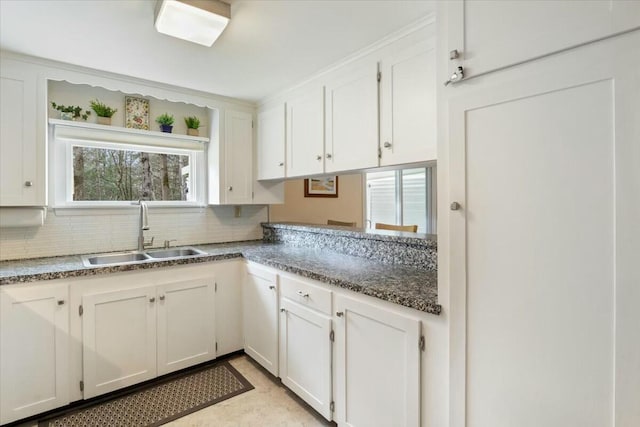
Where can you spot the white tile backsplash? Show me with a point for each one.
(67, 232)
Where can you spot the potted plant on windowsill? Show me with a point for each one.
(193, 123)
(103, 112)
(71, 112)
(166, 122)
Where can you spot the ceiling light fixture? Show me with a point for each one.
(197, 21)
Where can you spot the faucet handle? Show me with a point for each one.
(148, 243)
(167, 243)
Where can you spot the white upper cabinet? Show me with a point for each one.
(271, 131)
(408, 104)
(22, 149)
(238, 155)
(495, 34)
(305, 132)
(352, 118)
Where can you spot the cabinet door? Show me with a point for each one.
(186, 324)
(229, 277)
(21, 171)
(408, 105)
(238, 155)
(34, 350)
(260, 310)
(305, 132)
(377, 366)
(305, 355)
(119, 339)
(271, 164)
(352, 119)
(544, 250)
(495, 34)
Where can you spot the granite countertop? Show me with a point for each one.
(405, 285)
(414, 239)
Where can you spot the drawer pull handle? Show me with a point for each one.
(302, 294)
(340, 313)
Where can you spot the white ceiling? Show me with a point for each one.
(268, 45)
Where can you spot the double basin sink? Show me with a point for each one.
(140, 257)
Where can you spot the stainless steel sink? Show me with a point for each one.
(175, 253)
(140, 257)
(110, 259)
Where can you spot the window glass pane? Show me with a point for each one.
(414, 198)
(381, 197)
(101, 174)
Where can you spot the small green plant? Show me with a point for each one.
(192, 122)
(165, 119)
(77, 111)
(102, 109)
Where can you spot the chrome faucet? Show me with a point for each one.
(143, 225)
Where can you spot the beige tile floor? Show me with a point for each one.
(269, 404)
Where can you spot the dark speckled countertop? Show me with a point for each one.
(405, 285)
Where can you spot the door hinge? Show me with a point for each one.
(216, 346)
(215, 286)
(252, 195)
(80, 310)
(251, 124)
(332, 336)
(379, 76)
(421, 344)
(332, 406)
(81, 385)
(379, 152)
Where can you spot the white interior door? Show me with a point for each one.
(545, 165)
(305, 355)
(34, 350)
(186, 324)
(118, 339)
(495, 34)
(377, 367)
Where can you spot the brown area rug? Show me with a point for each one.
(158, 402)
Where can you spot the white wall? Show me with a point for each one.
(76, 232)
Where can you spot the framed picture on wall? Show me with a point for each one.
(136, 113)
(321, 187)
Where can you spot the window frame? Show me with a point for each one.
(61, 171)
(431, 188)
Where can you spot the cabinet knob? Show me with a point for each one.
(454, 54)
(281, 164)
(455, 206)
(230, 188)
(161, 297)
(303, 294)
(272, 287)
(318, 157)
(282, 310)
(28, 183)
(328, 155)
(61, 302)
(152, 299)
(387, 144)
(455, 77)
(339, 313)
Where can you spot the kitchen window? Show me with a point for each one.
(104, 169)
(402, 197)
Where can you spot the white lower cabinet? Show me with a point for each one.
(153, 326)
(118, 339)
(228, 314)
(260, 313)
(377, 365)
(34, 350)
(306, 344)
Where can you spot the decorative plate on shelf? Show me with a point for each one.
(137, 113)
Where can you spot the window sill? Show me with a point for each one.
(125, 209)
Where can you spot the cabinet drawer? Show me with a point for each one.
(306, 294)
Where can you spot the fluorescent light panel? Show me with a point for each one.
(197, 21)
